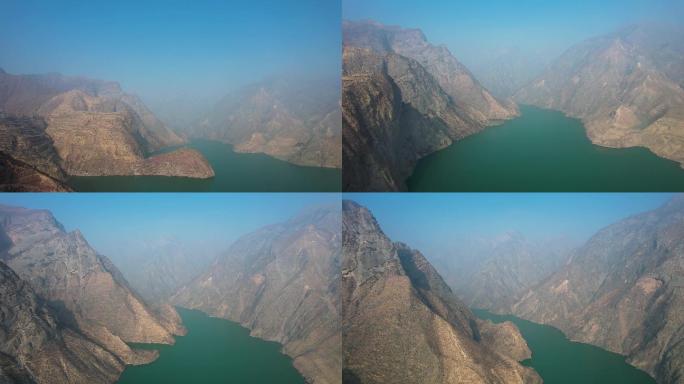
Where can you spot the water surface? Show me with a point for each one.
(235, 172)
(561, 361)
(543, 150)
(214, 351)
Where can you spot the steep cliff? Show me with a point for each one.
(403, 99)
(86, 290)
(36, 348)
(282, 282)
(624, 291)
(402, 323)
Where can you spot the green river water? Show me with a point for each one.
(561, 361)
(214, 351)
(542, 150)
(235, 172)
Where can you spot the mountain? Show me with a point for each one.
(36, 348)
(624, 291)
(87, 292)
(293, 119)
(282, 282)
(93, 126)
(402, 324)
(626, 87)
(495, 273)
(162, 266)
(402, 99)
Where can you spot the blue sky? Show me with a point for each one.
(157, 47)
(472, 28)
(424, 220)
(119, 221)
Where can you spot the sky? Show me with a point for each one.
(425, 221)
(472, 29)
(164, 48)
(117, 222)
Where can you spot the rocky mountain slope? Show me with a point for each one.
(35, 347)
(494, 273)
(624, 291)
(626, 87)
(282, 282)
(85, 289)
(296, 120)
(93, 126)
(401, 322)
(403, 98)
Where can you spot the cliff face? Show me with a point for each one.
(282, 282)
(93, 127)
(293, 120)
(623, 290)
(36, 348)
(87, 292)
(403, 99)
(402, 323)
(626, 87)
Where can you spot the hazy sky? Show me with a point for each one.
(160, 47)
(112, 222)
(425, 221)
(472, 29)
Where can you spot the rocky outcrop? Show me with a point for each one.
(35, 347)
(296, 120)
(626, 87)
(93, 127)
(403, 99)
(87, 291)
(28, 160)
(401, 322)
(282, 282)
(624, 291)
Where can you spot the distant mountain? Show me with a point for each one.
(293, 119)
(86, 291)
(404, 98)
(505, 71)
(93, 126)
(35, 347)
(402, 324)
(161, 266)
(626, 87)
(495, 273)
(624, 291)
(282, 282)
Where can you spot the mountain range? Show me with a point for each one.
(627, 87)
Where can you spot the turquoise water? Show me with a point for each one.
(214, 351)
(235, 172)
(542, 150)
(561, 361)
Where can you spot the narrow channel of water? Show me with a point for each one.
(561, 361)
(215, 351)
